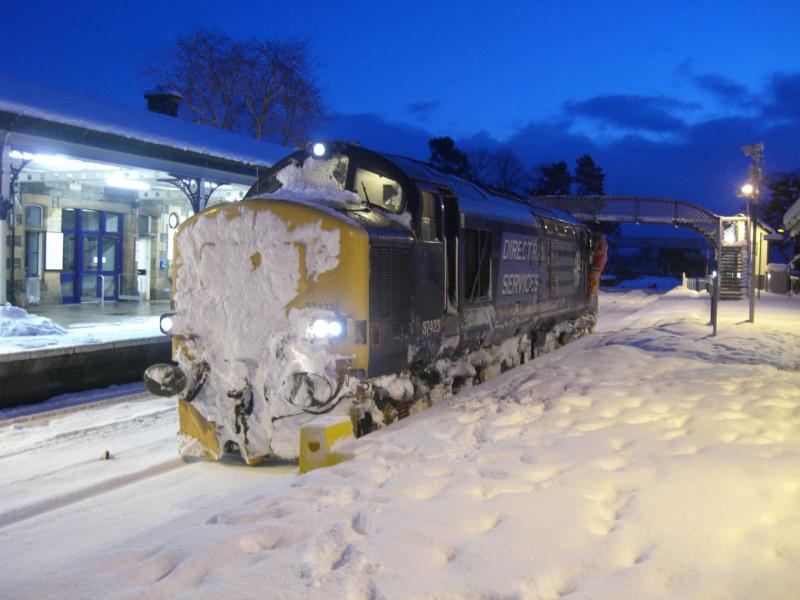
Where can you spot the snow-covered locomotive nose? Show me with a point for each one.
(253, 280)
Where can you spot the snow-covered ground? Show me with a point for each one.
(21, 331)
(648, 460)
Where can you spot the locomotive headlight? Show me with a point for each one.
(335, 329)
(319, 149)
(319, 328)
(328, 328)
(166, 323)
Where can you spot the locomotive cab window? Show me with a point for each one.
(429, 221)
(378, 190)
(477, 265)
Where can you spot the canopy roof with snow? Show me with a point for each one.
(49, 121)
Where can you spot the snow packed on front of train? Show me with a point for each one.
(267, 296)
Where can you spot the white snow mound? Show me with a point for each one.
(17, 322)
(314, 181)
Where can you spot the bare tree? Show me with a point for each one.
(501, 169)
(206, 67)
(509, 171)
(264, 88)
(482, 163)
(279, 93)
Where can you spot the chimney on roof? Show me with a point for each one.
(164, 100)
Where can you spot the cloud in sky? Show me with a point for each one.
(375, 132)
(723, 88)
(718, 86)
(422, 110)
(783, 96)
(632, 112)
(701, 163)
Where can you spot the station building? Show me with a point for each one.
(791, 219)
(91, 194)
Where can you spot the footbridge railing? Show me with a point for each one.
(656, 211)
(637, 209)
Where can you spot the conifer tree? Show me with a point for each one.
(552, 180)
(448, 158)
(589, 178)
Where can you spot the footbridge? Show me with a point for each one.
(655, 211)
(638, 209)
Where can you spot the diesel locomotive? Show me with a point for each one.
(364, 283)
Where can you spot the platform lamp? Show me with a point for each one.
(752, 190)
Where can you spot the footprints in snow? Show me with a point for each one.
(336, 548)
(481, 524)
(267, 538)
(611, 504)
(613, 463)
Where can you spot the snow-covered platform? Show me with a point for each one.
(647, 460)
(52, 350)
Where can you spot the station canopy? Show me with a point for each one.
(68, 137)
(114, 180)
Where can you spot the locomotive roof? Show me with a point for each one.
(475, 198)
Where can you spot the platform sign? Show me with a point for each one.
(518, 277)
(53, 251)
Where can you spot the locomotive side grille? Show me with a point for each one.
(390, 286)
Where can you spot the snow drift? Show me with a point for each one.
(16, 322)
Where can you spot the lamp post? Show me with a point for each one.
(760, 254)
(751, 190)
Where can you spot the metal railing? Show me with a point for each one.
(101, 299)
(636, 209)
(697, 284)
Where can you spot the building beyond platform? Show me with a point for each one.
(98, 191)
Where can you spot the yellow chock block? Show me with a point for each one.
(316, 439)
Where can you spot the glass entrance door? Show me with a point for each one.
(89, 268)
(69, 285)
(92, 251)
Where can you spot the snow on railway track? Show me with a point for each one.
(58, 457)
(53, 455)
(65, 403)
(53, 503)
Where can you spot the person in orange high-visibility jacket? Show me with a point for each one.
(599, 258)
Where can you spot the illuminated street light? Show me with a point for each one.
(752, 191)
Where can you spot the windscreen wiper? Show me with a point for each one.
(366, 205)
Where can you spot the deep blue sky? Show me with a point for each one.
(662, 94)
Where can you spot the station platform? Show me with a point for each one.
(68, 315)
(98, 346)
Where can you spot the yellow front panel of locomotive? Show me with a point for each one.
(345, 288)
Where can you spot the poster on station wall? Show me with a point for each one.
(53, 251)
